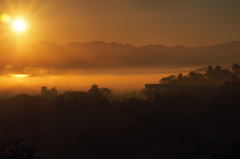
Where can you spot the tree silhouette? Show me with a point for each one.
(99, 94)
(213, 76)
(18, 149)
(230, 151)
(168, 80)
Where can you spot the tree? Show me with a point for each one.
(99, 94)
(236, 71)
(106, 93)
(94, 92)
(196, 78)
(168, 80)
(18, 150)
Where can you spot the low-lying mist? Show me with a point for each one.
(122, 68)
(117, 83)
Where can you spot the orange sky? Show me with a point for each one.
(138, 22)
(117, 83)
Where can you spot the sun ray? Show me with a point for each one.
(33, 13)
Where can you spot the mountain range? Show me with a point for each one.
(99, 57)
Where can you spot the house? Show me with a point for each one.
(152, 90)
(49, 93)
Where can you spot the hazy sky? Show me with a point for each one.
(138, 22)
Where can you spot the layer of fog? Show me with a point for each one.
(122, 68)
(117, 83)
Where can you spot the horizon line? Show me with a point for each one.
(119, 43)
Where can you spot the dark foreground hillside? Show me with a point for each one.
(90, 125)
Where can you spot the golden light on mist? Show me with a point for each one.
(19, 75)
(19, 25)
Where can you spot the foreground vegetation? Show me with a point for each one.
(93, 125)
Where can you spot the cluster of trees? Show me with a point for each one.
(213, 76)
(17, 149)
(93, 125)
(95, 95)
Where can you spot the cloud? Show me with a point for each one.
(77, 66)
(112, 58)
(6, 69)
(37, 71)
(43, 71)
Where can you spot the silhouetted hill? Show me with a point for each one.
(73, 44)
(98, 56)
(233, 43)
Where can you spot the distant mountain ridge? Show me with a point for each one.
(75, 43)
(98, 56)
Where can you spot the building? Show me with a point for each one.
(49, 93)
(152, 90)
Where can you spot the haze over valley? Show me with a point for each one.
(121, 67)
(119, 79)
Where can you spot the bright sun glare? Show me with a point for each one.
(19, 25)
(19, 75)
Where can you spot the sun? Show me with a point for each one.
(19, 25)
